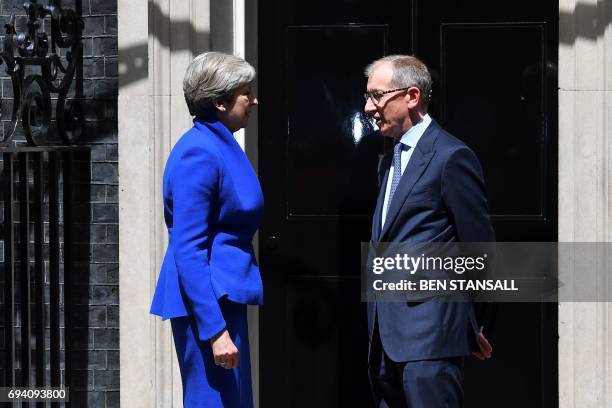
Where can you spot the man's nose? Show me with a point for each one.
(369, 106)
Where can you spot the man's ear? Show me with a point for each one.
(413, 96)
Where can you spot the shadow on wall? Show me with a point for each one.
(584, 22)
(134, 59)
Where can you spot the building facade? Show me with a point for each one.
(154, 50)
(96, 269)
(135, 55)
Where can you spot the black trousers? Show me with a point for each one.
(414, 384)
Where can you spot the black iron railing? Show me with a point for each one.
(37, 187)
(39, 179)
(32, 92)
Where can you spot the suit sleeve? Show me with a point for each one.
(463, 193)
(195, 186)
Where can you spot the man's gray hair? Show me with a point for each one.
(214, 77)
(407, 71)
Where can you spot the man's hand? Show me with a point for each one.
(485, 348)
(224, 351)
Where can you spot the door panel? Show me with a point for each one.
(326, 124)
(324, 323)
(474, 79)
(494, 87)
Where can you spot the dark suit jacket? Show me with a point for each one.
(440, 198)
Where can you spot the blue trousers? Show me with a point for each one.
(414, 384)
(206, 385)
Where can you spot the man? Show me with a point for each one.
(431, 190)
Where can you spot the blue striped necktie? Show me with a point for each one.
(397, 172)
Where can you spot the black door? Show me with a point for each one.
(494, 67)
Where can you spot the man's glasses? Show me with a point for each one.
(377, 96)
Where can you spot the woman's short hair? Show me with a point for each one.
(407, 71)
(214, 77)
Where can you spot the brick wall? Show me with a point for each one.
(96, 383)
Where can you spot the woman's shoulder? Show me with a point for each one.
(192, 153)
(196, 141)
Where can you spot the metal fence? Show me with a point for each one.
(38, 186)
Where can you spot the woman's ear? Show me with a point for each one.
(220, 106)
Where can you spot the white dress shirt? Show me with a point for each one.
(409, 140)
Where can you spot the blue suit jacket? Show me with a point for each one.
(212, 207)
(440, 198)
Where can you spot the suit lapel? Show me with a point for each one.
(423, 152)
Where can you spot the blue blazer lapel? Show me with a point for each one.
(422, 155)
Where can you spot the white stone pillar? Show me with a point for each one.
(136, 209)
(585, 135)
(157, 40)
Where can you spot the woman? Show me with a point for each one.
(212, 207)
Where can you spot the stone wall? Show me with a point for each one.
(96, 381)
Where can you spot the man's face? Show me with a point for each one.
(392, 110)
